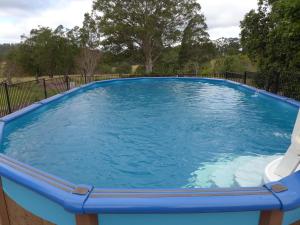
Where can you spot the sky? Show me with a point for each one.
(18, 17)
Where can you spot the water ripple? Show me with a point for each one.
(154, 134)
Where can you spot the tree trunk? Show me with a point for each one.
(147, 49)
(148, 65)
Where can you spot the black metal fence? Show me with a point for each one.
(19, 95)
(285, 85)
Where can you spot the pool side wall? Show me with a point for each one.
(32, 197)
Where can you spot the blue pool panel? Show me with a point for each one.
(39, 205)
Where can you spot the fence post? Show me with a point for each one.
(67, 82)
(45, 88)
(277, 83)
(7, 97)
(226, 75)
(245, 77)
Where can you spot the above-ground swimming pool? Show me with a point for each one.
(154, 133)
(149, 151)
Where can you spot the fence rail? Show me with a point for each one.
(19, 95)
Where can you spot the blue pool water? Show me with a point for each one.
(154, 133)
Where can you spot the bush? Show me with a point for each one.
(104, 69)
(233, 63)
(124, 68)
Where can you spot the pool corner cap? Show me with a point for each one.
(287, 191)
(82, 190)
(277, 188)
(75, 201)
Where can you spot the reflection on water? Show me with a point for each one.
(244, 171)
(282, 135)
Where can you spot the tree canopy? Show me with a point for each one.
(47, 52)
(60, 51)
(271, 37)
(149, 25)
(195, 44)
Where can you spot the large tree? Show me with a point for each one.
(149, 25)
(195, 45)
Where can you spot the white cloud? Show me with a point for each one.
(227, 32)
(64, 12)
(18, 17)
(223, 16)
